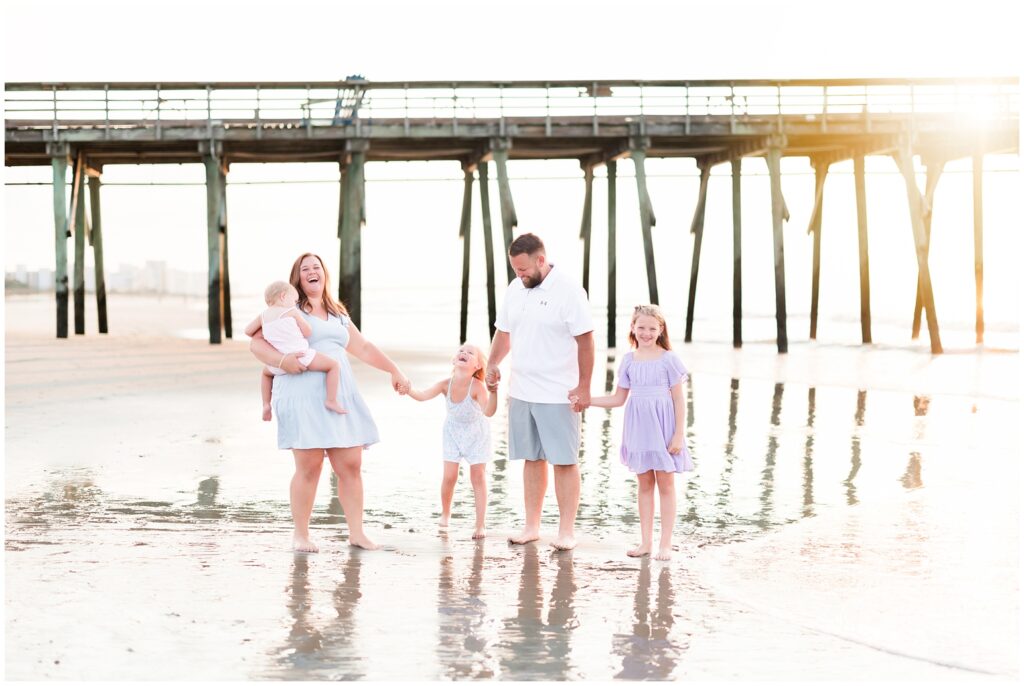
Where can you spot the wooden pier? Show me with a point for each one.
(91, 125)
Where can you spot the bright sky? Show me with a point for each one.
(224, 40)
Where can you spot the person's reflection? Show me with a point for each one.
(206, 499)
(345, 660)
(858, 421)
(305, 641)
(462, 647)
(649, 651)
(536, 651)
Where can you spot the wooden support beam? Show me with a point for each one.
(215, 292)
(78, 217)
(612, 304)
(774, 158)
(862, 242)
(485, 209)
(509, 221)
(904, 160)
(222, 186)
(737, 254)
(59, 163)
(977, 168)
(350, 277)
(585, 224)
(647, 219)
(465, 223)
(96, 240)
(933, 170)
(814, 228)
(697, 229)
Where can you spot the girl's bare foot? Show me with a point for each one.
(640, 550)
(266, 412)
(664, 554)
(362, 542)
(303, 544)
(333, 406)
(564, 543)
(479, 533)
(525, 536)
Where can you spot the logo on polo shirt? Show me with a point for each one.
(543, 302)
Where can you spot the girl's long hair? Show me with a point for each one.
(330, 304)
(650, 311)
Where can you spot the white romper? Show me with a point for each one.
(467, 433)
(284, 334)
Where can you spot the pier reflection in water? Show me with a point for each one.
(437, 605)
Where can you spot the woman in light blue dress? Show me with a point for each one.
(309, 429)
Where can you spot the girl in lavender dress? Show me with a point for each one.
(653, 445)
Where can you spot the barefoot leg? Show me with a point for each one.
(535, 483)
(448, 480)
(326, 363)
(667, 492)
(478, 477)
(645, 504)
(567, 492)
(308, 464)
(347, 463)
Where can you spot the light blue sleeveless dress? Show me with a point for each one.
(467, 435)
(298, 399)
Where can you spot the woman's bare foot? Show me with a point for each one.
(266, 412)
(640, 550)
(564, 543)
(525, 536)
(333, 406)
(479, 532)
(303, 544)
(362, 542)
(443, 522)
(664, 554)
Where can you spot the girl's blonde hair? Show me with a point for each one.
(650, 311)
(330, 304)
(480, 373)
(275, 290)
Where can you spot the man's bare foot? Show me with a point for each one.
(525, 536)
(664, 554)
(266, 412)
(362, 542)
(640, 550)
(333, 406)
(564, 543)
(479, 533)
(303, 544)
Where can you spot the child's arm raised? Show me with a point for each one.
(429, 392)
(304, 326)
(489, 396)
(617, 399)
(675, 445)
(253, 326)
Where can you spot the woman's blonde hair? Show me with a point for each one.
(650, 311)
(330, 304)
(275, 290)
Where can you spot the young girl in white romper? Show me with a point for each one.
(467, 435)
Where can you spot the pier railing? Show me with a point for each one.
(58, 106)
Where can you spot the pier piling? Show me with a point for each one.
(96, 240)
(77, 216)
(647, 219)
(697, 229)
(820, 172)
(585, 222)
(464, 233)
(59, 164)
(485, 210)
(773, 157)
(612, 304)
(737, 255)
(862, 242)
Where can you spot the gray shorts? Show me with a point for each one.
(543, 431)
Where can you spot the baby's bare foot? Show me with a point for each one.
(335, 407)
(664, 554)
(362, 542)
(640, 550)
(303, 544)
(525, 536)
(266, 412)
(479, 532)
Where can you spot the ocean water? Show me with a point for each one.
(854, 514)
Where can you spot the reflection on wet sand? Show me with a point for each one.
(531, 648)
(768, 473)
(464, 648)
(858, 422)
(649, 652)
(808, 504)
(328, 651)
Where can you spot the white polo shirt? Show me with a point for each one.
(542, 323)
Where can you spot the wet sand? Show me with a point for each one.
(854, 515)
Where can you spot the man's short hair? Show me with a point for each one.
(526, 244)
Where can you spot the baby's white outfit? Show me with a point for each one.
(283, 333)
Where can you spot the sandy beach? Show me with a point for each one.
(854, 515)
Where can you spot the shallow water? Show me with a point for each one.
(829, 531)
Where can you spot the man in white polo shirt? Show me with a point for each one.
(545, 322)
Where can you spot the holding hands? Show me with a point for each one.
(579, 398)
(400, 383)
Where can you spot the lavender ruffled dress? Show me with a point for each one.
(650, 417)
